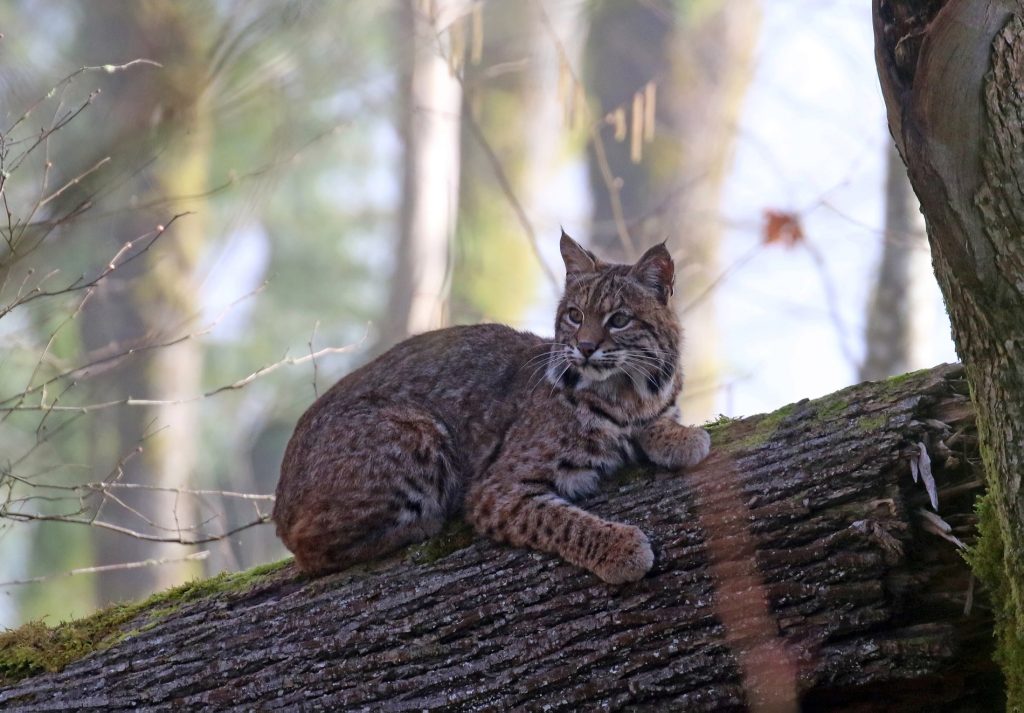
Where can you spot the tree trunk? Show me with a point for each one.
(793, 567)
(431, 104)
(153, 301)
(494, 268)
(898, 325)
(952, 75)
(171, 295)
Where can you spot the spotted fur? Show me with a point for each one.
(503, 427)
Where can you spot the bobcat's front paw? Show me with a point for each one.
(672, 446)
(694, 446)
(627, 558)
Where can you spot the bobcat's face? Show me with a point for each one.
(616, 320)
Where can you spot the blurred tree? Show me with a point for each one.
(160, 114)
(668, 78)
(430, 99)
(898, 324)
(511, 70)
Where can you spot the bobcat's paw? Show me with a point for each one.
(627, 558)
(695, 446)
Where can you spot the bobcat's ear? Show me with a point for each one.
(656, 270)
(577, 259)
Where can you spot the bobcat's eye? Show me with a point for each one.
(574, 315)
(619, 320)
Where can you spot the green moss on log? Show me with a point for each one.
(872, 422)
(36, 647)
(455, 536)
(759, 430)
(989, 564)
(901, 379)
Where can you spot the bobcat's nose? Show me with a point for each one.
(587, 349)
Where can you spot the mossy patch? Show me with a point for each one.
(36, 647)
(872, 422)
(754, 432)
(719, 428)
(830, 407)
(901, 379)
(455, 536)
(720, 422)
(988, 562)
(750, 433)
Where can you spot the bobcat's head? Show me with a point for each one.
(616, 322)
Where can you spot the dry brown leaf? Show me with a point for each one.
(781, 227)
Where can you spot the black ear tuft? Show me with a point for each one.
(577, 260)
(656, 270)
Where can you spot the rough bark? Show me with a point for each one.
(793, 564)
(952, 74)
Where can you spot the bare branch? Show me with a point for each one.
(74, 181)
(82, 284)
(108, 68)
(202, 539)
(180, 491)
(312, 338)
(129, 401)
(194, 557)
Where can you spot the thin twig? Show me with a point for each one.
(721, 277)
(104, 525)
(81, 284)
(312, 338)
(194, 557)
(100, 486)
(74, 181)
(129, 401)
(110, 360)
(180, 491)
(832, 304)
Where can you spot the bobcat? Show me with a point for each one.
(502, 426)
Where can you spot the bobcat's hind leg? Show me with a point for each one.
(533, 515)
(321, 545)
(359, 485)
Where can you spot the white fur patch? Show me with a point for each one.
(577, 483)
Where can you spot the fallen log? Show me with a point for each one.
(801, 566)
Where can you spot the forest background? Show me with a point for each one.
(238, 202)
